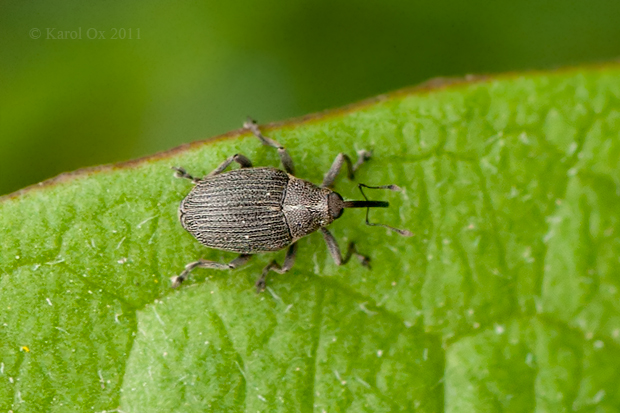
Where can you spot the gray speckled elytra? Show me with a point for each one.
(255, 210)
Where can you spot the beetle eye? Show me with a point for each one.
(335, 204)
(338, 214)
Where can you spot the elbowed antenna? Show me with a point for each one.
(376, 204)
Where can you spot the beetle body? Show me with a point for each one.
(254, 210)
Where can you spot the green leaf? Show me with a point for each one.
(507, 297)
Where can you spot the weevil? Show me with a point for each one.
(254, 210)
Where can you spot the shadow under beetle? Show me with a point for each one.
(255, 210)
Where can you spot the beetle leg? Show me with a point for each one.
(274, 266)
(240, 159)
(182, 173)
(341, 158)
(334, 250)
(285, 158)
(237, 262)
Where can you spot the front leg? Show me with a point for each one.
(341, 158)
(334, 250)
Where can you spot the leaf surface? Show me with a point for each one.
(507, 297)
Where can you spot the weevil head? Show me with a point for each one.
(335, 204)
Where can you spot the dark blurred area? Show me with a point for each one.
(192, 70)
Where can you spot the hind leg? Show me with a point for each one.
(237, 262)
(240, 159)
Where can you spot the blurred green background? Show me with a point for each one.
(199, 68)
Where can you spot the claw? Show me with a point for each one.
(260, 285)
(176, 281)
